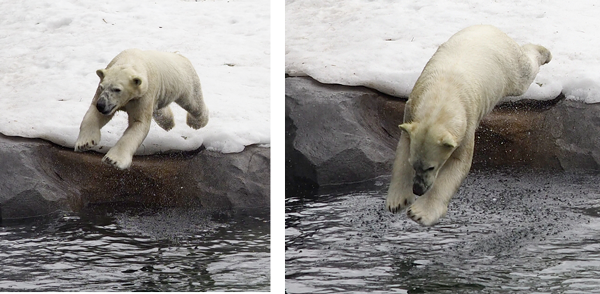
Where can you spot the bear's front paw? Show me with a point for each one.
(398, 203)
(120, 162)
(398, 198)
(84, 144)
(427, 211)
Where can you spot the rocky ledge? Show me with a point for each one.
(339, 134)
(38, 177)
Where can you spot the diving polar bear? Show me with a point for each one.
(463, 81)
(142, 83)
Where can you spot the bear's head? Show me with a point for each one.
(430, 147)
(118, 86)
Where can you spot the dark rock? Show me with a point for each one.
(334, 134)
(24, 187)
(38, 177)
(340, 134)
(575, 127)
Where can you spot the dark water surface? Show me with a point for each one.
(505, 232)
(159, 250)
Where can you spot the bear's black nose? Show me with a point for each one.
(102, 106)
(418, 190)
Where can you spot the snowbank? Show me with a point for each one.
(385, 44)
(51, 50)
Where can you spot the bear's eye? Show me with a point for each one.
(430, 169)
(116, 90)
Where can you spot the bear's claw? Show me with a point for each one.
(115, 163)
(412, 216)
(395, 205)
(87, 140)
(84, 147)
(395, 209)
(427, 212)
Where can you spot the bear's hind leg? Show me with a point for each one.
(164, 118)
(197, 116)
(197, 120)
(533, 57)
(400, 193)
(537, 53)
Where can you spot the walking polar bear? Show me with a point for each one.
(462, 82)
(142, 83)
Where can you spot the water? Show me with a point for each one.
(142, 250)
(505, 232)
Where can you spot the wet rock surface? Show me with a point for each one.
(338, 135)
(506, 231)
(38, 177)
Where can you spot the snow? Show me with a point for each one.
(52, 49)
(385, 44)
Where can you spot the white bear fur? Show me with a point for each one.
(463, 81)
(142, 83)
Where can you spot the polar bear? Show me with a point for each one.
(463, 81)
(142, 83)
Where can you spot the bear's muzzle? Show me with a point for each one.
(103, 106)
(418, 190)
(419, 186)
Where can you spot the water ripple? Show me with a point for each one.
(166, 250)
(505, 232)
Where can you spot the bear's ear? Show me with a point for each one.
(407, 127)
(136, 81)
(100, 73)
(448, 141)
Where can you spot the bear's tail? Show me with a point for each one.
(539, 53)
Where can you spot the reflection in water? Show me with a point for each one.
(165, 250)
(505, 231)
